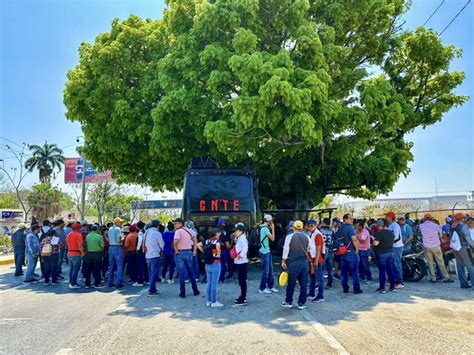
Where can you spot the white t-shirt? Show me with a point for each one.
(397, 231)
(242, 247)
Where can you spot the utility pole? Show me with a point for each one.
(83, 192)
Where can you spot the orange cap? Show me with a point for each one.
(391, 214)
(428, 216)
(459, 216)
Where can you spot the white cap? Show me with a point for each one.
(268, 218)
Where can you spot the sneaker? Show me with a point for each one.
(318, 299)
(171, 281)
(397, 286)
(274, 290)
(381, 290)
(328, 287)
(239, 303)
(432, 281)
(137, 284)
(90, 286)
(208, 304)
(186, 281)
(301, 307)
(152, 294)
(448, 281)
(387, 283)
(336, 276)
(393, 290)
(196, 293)
(216, 305)
(74, 286)
(163, 281)
(29, 281)
(286, 305)
(267, 291)
(182, 295)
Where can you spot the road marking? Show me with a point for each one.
(64, 351)
(13, 288)
(324, 333)
(4, 321)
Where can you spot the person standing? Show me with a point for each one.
(226, 261)
(32, 252)
(75, 252)
(407, 234)
(462, 257)
(267, 233)
(213, 269)
(183, 247)
(350, 260)
(316, 241)
(60, 233)
(130, 249)
(295, 250)
(93, 258)
(329, 236)
(431, 235)
(241, 263)
(154, 244)
(50, 247)
(383, 243)
(115, 254)
(19, 247)
(363, 237)
(397, 248)
(168, 254)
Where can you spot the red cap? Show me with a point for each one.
(459, 216)
(428, 216)
(76, 226)
(391, 214)
(132, 228)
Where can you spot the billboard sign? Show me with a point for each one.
(156, 204)
(74, 169)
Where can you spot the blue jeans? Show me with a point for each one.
(30, 269)
(364, 264)
(62, 255)
(317, 278)
(385, 266)
(297, 271)
(212, 272)
(153, 270)
(141, 262)
(19, 254)
(329, 262)
(350, 264)
(226, 264)
(197, 272)
(267, 274)
(184, 261)
(168, 264)
(115, 261)
(463, 260)
(397, 264)
(74, 266)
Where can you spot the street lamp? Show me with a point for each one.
(83, 191)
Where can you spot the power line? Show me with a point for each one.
(432, 14)
(454, 18)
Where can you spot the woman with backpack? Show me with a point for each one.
(211, 255)
(241, 262)
(50, 248)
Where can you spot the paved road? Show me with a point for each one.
(422, 318)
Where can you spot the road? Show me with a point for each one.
(423, 318)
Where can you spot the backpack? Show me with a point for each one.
(47, 250)
(207, 256)
(254, 238)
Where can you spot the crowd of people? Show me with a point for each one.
(145, 254)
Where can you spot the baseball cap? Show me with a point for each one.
(268, 218)
(240, 227)
(312, 221)
(336, 220)
(118, 220)
(132, 227)
(76, 226)
(189, 224)
(448, 219)
(220, 221)
(390, 214)
(428, 216)
(155, 223)
(298, 225)
(459, 216)
(239, 224)
(291, 224)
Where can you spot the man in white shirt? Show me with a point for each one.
(391, 218)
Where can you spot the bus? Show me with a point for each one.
(211, 192)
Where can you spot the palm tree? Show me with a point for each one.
(45, 159)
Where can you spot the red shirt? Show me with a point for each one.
(74, 240)
(319, 241)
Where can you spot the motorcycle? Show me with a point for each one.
(414, 266)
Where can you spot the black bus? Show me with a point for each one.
(211, 192)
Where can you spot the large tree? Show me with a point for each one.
(315, 96)
(45, 159)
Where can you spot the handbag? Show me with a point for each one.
(455, 243)
(310, 259)
(233, 253)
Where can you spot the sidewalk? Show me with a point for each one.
(6, 259)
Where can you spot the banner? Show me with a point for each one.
(73, 169)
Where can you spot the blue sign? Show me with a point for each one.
(156, 204)
(79, 168)
(11, 214)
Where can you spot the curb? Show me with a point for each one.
(7, 261)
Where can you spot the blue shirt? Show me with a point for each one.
(32, 244)
(348, 231)
(115, 232)
(264, 233)
(19, 239)
(406, 232)
(168, 238)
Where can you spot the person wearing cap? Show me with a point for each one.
(350, 260)
(408, 220)
(93, 258)
(19, 244)
(226, 261)
(462, 256)
(130, 251)
(185, 247)
(336, 224)
(153, 241)
(75, 252)
(32, 252)
(267, 234)
(407, 234)
(431, 235)
(142, 271)
(50, 248)
(295, 251)
(329, 237)
(168, 254)
(190, 225)
(383, 248)
(316, 242)
(115, 253)
(241, 263)
(391, 218)
(61, 234)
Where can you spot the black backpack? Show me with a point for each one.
(206, 256)
(254, 238)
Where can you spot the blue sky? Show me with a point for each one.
(39, 42)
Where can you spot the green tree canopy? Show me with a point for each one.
(45, 201)
(9, 200)
(316, 96)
